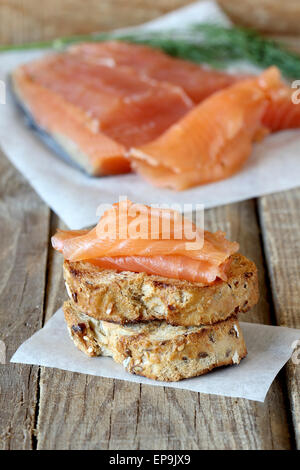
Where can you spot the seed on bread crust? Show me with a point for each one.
(80, 328)
(184, 352)
(127, 297)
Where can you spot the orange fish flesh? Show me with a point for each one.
(213, 140)
(198, 256)
(197, 81)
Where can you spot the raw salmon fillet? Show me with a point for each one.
(213, 140)
(97, 112)
(197, 81)
(132, 237)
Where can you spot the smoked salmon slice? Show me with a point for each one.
(213, 140)
(71, 127)
(282, 113)
(197, 81)
(97, 112)
(126, 106)
(132, 237)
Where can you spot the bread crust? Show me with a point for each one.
(128, 297)
(156, 349)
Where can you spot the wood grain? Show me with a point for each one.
(33, 20)
(272, 16)
(24, 229)
(78, 411)
(280, 222)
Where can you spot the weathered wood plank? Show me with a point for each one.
(189, 421)
(77, 411)
(28, 20)
(280, 221)
(273, 16)
(24, 220)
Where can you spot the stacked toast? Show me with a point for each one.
(161, 328)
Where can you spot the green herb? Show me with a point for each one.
(203, 43)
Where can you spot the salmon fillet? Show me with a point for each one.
(213, 140)
(71, 127)
(197, 81)
(115, 106)
(97, 112)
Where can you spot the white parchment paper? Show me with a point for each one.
(274, 164)
(269, 348)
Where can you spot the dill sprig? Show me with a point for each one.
(203, 43)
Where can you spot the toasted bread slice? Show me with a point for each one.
(123, 297)
(156, 349)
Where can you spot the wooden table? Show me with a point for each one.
(51, 409)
